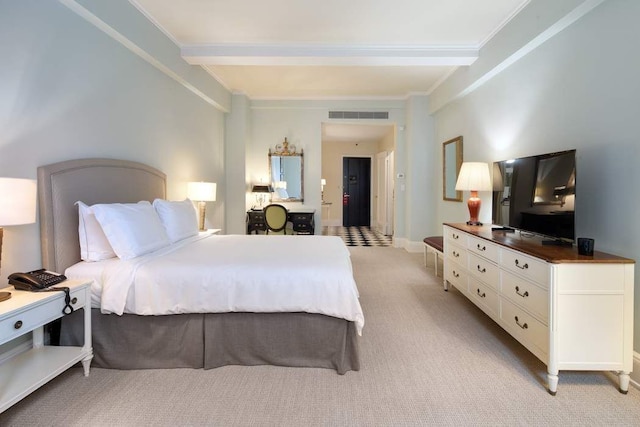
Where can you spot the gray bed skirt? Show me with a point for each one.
(212, 340)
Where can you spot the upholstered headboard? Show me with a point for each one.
(92, 181)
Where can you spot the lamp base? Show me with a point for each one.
(202, 214)
(474, 223)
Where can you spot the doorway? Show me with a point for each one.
(356, 198)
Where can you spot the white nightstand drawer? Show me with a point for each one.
(524, 293)
(29, 319)
(523, 326)
(484, 270)
(483, 248)
(532, 268)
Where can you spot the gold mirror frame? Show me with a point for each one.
(283, 152)
(451, 164)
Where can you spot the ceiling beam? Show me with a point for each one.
(318, 55)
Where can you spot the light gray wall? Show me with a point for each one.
(580, 89)
(68, 90)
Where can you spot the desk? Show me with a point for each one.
(302, 219)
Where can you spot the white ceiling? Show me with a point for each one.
(331, 48)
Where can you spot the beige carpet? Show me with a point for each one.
(429, 357)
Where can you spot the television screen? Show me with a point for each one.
(537, 194)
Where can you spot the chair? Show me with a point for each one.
(275, 216)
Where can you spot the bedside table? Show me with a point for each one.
(28, 312)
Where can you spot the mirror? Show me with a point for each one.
(286, 172)
(451, 164)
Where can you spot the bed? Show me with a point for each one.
(233, 329)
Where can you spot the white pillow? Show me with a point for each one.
(179, 219)
(94, 245)
(133, 229)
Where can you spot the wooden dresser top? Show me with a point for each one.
(533, 246)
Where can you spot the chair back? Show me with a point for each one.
(275, 216)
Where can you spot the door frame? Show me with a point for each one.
(372, 179)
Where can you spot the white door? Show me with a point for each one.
(384, 193)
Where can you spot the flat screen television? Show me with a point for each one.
(536, 194)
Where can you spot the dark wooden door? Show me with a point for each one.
(356, 200)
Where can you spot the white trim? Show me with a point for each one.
(327, 55)
(547, 34)
(503, 24)
(124, 41)
(153, 20)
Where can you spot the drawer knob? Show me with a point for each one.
(74, 300)
(481, 248)
(522, 267)
(456, 254)
(456, 275)
(482, 270)
(524, 295)
(455, 236)
(523, 326)
(481, 295)
(18, 324)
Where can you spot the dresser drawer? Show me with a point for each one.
(456, 275)
(484, 270)
(25, 321)
(455, 236)
(524, 327)
(256, 216)
(526, 266)
(483, 248)
(484, 296)
(533, 298)
(457, 253)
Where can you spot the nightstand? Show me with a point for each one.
(28, 312)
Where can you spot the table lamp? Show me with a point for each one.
(323, 182)
(474, 177)
(17, 203)
(201, 192)
(260, 190)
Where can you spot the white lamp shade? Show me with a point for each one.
(17, 201)
(474, 176)
(201, 191)
(323, 182)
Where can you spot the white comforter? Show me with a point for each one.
(233, 273)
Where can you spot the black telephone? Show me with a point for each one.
(36, 280)
(42, 281)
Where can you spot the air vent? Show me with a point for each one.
(358, 115)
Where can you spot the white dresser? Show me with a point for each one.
(573, 312)
(27, 312)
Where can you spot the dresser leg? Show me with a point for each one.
(624, 382)
(445, 284)
(552, 379)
